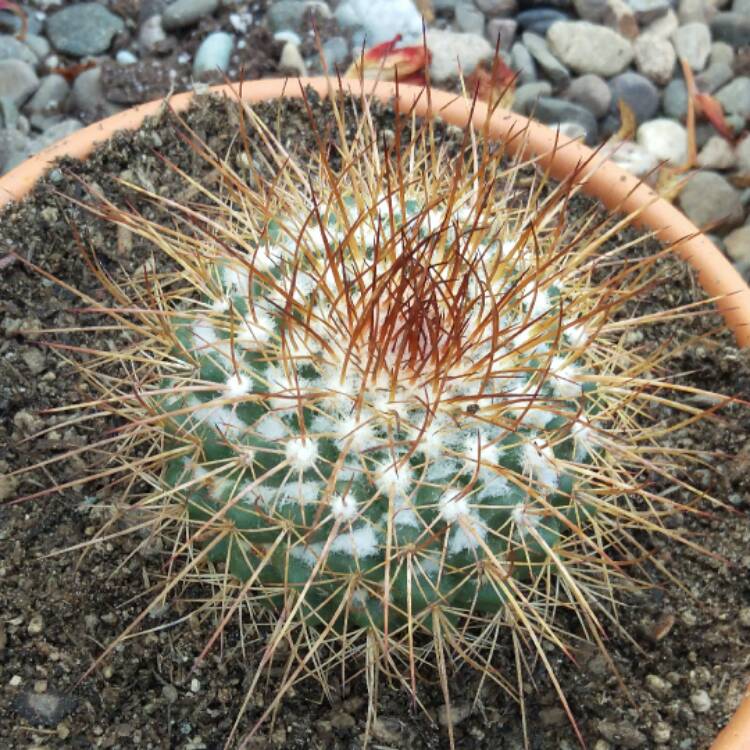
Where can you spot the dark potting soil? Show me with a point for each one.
(680, 673)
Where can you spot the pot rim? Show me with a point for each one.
(601, 179)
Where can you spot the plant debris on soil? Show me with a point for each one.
(681, 671)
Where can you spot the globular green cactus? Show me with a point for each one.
(387, 390)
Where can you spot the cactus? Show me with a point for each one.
(388, 390)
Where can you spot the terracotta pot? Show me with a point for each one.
(605, 181)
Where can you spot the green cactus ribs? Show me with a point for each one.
(387, 407)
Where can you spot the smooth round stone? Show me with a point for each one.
(501, 8)
(717, 153)
(379, 20)
(126, 57)
(742, 7)
(742, 151)
(182, 13)
(151, 34)
(675, 99)
(88, 94)
(553, 111)
(632, 157)
(737, 243)
(721, 52)
(620, 17)
(641, 96)
(286, 35)
(647, 11)
(693, 42)
(285, 14)
(12, 142)
(735, 97)
(665, 139)
(523, 63)
(655, 58)
(714, 77)
(587, 48)
(50, 97)
(335, 52)
(527, 96)
(83, 29)
(591, 92)
(214, 53)
(18, 81)
(538, 20)
(733, 28)
(692, 11)
(12, 49)
(502, 30)
(454, 53)
(590, 10)
(38, 45)
(12, 24)
(709, 199)
(469, 18)
(552, 67)
(663, 27)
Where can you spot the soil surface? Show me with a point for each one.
(681, 671)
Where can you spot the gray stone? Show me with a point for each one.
(721, 52)
(12, 49)
(637, 92)
(587, 48)
(732, 28)
(663, 27)
(538, 20)
(151, 34)
(291, 60)
(742, 151)
(692, 11)
(619, 17)
(502, 30)
(12, 142)
(717, 154)
(655, 58)
(88, 95)
(590, 10)
(591, 92)
(735, 97)
(665, 139)
(631, 157)
(18, 81)
(710, 201)
(38, 45)
(126, 57)
(83, 29)
(469, 18)
(742, 7)
(523, 63)
(45, 708)
(214, 53)
(737, 243)
(335, 52)
(553, 111)
(647, 11)
(714, 77)
(553, 69)
(183, 13)
(50, 97)
(453, 52)
(675, 99)
(503, 8)
(527, 95)
(693, 42)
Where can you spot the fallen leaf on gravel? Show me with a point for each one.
(385, 62)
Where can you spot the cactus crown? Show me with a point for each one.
(389, 393)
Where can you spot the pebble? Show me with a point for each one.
(590, 10)
(622, 733)
(637, 92)
(735, 97)
(38, 45)
(587, 48)
(675, 99)
(45, 708)
(710, 199)
(151, 34)
(742, 152)
(335, 52)
(126, 57)
(387, 729)
(592, 92)
(51, 96)
(619, 17)
(737, 244)
(291, 60)
(83, 29)
(169, 693)
(380, 20)
(497, 7)
(700, 701)
(285, 14)
(12, 142)
(453, 714)
(663, 27)
(455, 51)
(539, 20)
(182, 13)
(12, 49)
(693, 42)
(717, 153)
(733, 28)
(214, 53)
(661, 732)
(647, 11)
(287, 35)
(523, 63)
(527, 95)
(655, 58)
(552, 111)
(665, 139)
(552, 67)
(18, 81)
(721, 52)
(502, 30)
(657, 686)
(88, 95)
(690, 11)
(35, 626)
(714, 77)
(745, 611)
(631, 157)
(469, 18)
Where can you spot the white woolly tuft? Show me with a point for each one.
(537, 302)
(393, 479)
(538, 459)
(524, 520)
(238, 385)
(237, 280)
(564, 379)
(577, 335)
(220, 305)
(358, 431)
(255, 329)
(534, 417)
(476, 449)
(440, 469)
(302, 453)
(585, 438)
(307, 554)
(271, 428)
(361, 542)
(432, 440)
(220, 418)
(452, 507)
(495, 486)
(204, 334)
(344, 509)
